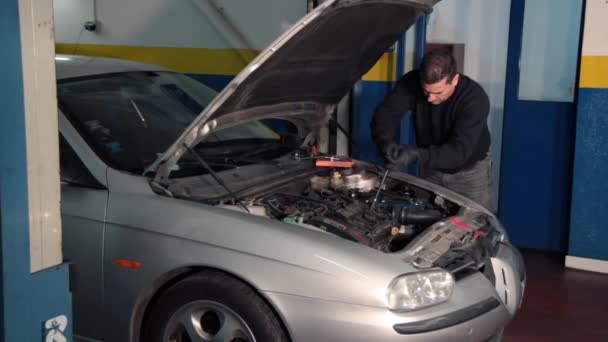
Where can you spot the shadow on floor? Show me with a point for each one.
(560, 304)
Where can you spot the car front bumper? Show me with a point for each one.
(477, 310)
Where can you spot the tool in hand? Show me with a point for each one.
(379, 189)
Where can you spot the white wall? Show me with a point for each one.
(177, 23)
(483, 26)
(596, 29)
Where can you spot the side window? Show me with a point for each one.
(71, 168)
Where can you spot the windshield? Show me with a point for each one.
(252, 142)
(130, 118)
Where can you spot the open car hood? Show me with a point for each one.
(305, 72)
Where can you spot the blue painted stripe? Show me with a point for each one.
(589, 212)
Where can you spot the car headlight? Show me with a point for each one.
(418, 290)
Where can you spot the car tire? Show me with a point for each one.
(211, 306)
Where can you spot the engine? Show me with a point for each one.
(392, 216)
(347, 203)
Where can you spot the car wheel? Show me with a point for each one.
(211, 306)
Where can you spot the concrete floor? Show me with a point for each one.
(560, 304)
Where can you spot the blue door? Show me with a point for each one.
(539, 119)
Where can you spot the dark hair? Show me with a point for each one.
(436, 65)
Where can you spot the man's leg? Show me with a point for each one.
(475, 183)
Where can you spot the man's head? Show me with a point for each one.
(438, 76)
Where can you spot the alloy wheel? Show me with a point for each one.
(207, 321)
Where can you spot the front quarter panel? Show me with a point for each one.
(166, 234)
(510, 276)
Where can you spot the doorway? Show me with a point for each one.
(539, 122)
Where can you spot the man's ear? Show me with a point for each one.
(455, 79)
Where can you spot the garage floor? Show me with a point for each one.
(560, 304)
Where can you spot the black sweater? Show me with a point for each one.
(452, 135)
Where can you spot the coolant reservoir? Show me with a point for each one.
(361, 181)
(346, 179)
(318, 183)
(336, 180)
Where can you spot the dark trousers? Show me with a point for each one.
(474, 182)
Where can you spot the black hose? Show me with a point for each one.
(417, 215)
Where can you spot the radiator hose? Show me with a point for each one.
(417, 215)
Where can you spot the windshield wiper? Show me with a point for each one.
(218, 179)
(141, 117)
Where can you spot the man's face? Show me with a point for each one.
(440, 91)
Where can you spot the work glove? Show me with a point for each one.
(400, 156)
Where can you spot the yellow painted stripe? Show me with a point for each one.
(594, 72)
(201, 60)
(384, 70)
(187, 60)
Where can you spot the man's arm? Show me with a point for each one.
(390, 112)
(469, 126)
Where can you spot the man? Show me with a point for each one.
(450, 113)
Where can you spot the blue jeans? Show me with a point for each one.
(474, 182)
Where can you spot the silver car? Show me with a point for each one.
(195, 216)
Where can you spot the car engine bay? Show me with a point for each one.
(399, 218)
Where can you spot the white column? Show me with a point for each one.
(38, 53)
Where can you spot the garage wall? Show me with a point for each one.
(212, 39)
(483, 27)
(589, 210)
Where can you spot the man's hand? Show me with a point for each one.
(399, 156)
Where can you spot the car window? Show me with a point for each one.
(130, 118)
(72, 170)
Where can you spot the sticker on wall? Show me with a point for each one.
(54, 329)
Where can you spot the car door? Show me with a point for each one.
(83, 210)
